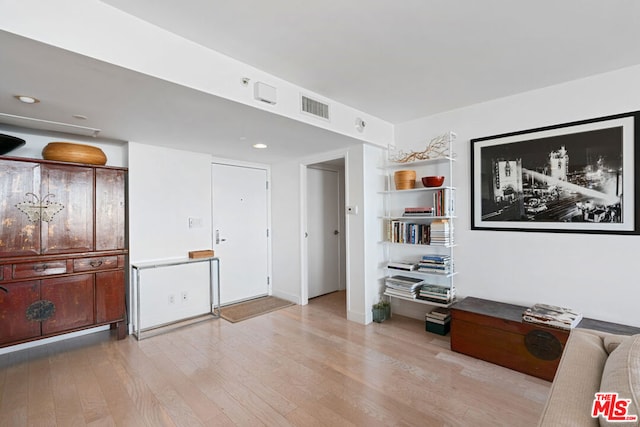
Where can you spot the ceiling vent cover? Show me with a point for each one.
(315, 108)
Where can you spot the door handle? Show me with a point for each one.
(336, 232)
(2, 288)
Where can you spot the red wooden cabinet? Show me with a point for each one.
(19, 184)
(71, 228)
(110, 301)
(15, 299)
(110, 209)
(72, 296)
(63, 248)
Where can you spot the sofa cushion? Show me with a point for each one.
(576, 382)
(611, 342)
(621, 374)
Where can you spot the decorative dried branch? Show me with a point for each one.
(436, 148)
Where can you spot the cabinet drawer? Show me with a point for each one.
(97, 263)
(39, 269)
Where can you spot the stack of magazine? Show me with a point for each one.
(435, 264)
(439, 315)
(437, 293)
(403, 286)
(551, 315)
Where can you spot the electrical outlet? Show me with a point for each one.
(185, 296)
(172, 299)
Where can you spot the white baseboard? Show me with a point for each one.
(32, 344)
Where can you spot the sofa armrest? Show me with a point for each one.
(576, 382)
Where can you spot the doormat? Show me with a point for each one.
(256, 307)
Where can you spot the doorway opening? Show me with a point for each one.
(325, 235)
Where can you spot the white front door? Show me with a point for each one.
(240, 222)
(323, 227)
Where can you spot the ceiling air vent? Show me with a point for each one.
(314, 107)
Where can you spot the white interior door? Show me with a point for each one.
(240, 222)
(323, 228)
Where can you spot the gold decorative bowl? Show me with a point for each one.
(76, 153)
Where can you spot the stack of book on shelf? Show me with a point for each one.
(443, 202)
(551, 315)
(438, 321)
(406, 232)
(436, 293)
(420, 211)
(402, 265)
(441, 233)
(435, 264)
(403, 286)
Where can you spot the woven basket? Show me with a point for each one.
(76, 153)
(405, 179)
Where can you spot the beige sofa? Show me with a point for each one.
(593, 362)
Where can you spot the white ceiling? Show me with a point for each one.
(129, 106)
(401, 60)
(394, 60)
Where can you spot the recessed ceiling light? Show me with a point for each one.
(259, 145)
(27, 99)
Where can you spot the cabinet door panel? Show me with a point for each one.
(14, 324)
(19, 187)
(73, 297)
(71, 229)
(110, 296)
(110, 209)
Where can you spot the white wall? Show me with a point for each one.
(287, 241)
(166, 188)
(285, 230)
(372, 229)
(594, 274)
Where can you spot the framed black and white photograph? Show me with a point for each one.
(575, 178)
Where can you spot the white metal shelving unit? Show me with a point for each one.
(394, 202)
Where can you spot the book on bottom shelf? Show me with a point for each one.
(412, 282)
(439, 314)
(403, 286)
(437, 325)
(436, 293)
(437, 321)
(400, 293)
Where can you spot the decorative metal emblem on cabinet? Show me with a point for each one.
(543, 345)
(40, 310)
(40, 209)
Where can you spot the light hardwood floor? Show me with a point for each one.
(302, 366)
